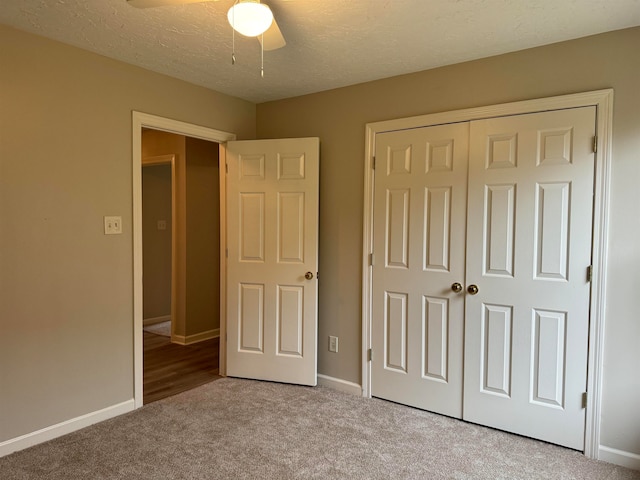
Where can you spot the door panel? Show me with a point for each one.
(435, 324)
(290, 316)
(495, 345)
(251, 318)
(437, 228)
(272, 238)
(528, 249)
(552, 230)
(499, 221)
(251, 227)
(396, 320)
(398, 228)
(419, 232)
(291, 227)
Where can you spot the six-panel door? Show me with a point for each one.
(528, 249)
(419, 235)
(272, 238)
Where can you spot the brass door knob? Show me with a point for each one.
(456, 287)
(308, 275)
(472, 289)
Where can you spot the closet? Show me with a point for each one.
(482, 236)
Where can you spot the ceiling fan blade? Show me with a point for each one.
(162, 3)
(272, 39)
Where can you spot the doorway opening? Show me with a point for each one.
(189, 338)
(181, 268)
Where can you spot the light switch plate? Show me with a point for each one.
(112, 225)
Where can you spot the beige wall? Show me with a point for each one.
(203, 237)
(66, 293)
(338, 117)
(156, 243)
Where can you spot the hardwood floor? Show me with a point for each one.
(170, 368)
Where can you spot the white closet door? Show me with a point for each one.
(529, 237)
(419, 244)
(272, 233)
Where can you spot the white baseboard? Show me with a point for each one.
(62, 428)
(154, 320)
(198, 337)
(619, 457)
(338, 384)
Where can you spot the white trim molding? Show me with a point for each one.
(619, 457)
(603, 101)
(222, 345)
(338, 384)
(198, 337)
(154, 320)
(139, 121)
(63, 428)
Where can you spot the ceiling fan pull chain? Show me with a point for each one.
(233, 50)
(262, 57)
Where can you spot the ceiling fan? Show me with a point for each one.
(271, 38)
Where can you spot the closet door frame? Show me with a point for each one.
(603, 101)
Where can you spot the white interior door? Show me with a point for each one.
(526, 231)
(528, 250)
(272, 238)
(419, 243)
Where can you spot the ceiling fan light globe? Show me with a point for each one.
(250, 18)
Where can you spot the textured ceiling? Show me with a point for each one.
(330, 43)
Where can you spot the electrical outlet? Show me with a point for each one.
(162, 224)
(112, 225)
(333, 344)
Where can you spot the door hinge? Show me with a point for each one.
(589, 272)
(584, 400)
(595, 144)
(373, 162)
(371, 259)
(226, 167)
(370, 355)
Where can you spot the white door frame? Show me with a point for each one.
(603, 100)
(144, 120)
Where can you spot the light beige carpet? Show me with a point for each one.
(241, 429)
